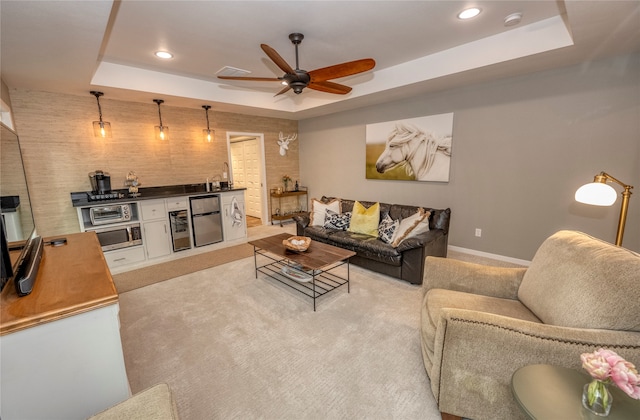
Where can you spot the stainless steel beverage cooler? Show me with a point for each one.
(206, 220)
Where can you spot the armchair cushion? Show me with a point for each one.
(578, 281)
(438, 299)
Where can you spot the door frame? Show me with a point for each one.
(264, 205)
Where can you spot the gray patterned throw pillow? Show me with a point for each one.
(386, 228)
(338, 221)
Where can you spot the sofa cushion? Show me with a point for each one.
(575, 280)
(320, 233)
(365, 220)
(366, 246)
(319, 210)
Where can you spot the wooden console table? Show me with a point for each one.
(60, 346)
(275, 196)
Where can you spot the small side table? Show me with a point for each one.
(553, 392)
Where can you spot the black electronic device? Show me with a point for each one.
(27, 271)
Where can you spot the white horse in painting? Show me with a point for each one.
(427, 157)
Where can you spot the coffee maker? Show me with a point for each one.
(100, 182)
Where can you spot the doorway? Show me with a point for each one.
(246, 152)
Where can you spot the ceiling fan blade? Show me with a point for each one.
(330, 87)
(286, 88)
(275, 57)
(342, 70)
(255, 79)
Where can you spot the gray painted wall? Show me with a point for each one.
(521, 147)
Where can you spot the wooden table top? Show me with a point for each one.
(318, 255)
(72, 279)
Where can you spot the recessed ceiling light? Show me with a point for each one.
(164, 54)
(469, 13)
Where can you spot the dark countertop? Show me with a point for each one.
(81, 199)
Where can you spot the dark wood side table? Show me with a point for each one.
(552, 392)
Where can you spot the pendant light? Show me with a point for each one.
(208, 133)
(100, 128)
(162, 131)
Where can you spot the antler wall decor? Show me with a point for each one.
(284, 142)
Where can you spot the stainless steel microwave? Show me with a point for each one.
(118, 237)
(111, 213)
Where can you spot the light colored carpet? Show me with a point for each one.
(231, 346)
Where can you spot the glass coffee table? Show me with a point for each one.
(554, 392)
(312, 272)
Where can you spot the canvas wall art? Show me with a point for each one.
(416, 149)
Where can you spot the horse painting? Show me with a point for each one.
(425, 156)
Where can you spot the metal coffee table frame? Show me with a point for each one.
(323, 280)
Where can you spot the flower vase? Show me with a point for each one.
(597, 398)
(286, 186)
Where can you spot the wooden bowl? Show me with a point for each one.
(297, 243)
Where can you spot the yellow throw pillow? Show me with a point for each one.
(365, 220)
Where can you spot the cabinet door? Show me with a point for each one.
(234, 222)
(156, 238)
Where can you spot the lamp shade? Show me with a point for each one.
(208, 135)
(162, 132)
(101, 129)
(596, 194)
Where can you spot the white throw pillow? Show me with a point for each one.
(319, 210)
(419, 220)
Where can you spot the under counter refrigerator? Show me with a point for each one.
(206, 220)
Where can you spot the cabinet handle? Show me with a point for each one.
(119, 259)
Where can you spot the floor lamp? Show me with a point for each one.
(598, 193)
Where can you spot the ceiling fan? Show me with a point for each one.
(316, 79)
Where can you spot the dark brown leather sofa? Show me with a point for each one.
(405, 262)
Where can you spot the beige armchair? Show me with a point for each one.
(480, 324)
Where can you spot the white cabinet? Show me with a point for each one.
(155, 228)
(234, 222)
(153, 210)
(124, 256)
(179, 203)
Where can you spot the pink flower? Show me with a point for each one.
(606, 365)
(625, 376)
(596, 365)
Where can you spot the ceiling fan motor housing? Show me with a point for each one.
(297, 81)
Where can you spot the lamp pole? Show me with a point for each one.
(626, 194)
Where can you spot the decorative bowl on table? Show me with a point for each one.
(297, 243)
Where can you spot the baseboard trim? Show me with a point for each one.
(489, 255)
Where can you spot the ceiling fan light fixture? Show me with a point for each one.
(318, 79)
(469, 13)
